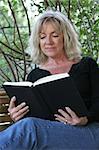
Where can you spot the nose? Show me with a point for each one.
(49, 40)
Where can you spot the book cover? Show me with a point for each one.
(47, 95)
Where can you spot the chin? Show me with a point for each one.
(50, 54)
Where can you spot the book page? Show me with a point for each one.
(50, 78)
(23, 83)
(39, 81)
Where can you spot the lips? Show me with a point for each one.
(50, 48)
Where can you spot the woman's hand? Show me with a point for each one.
(18, 112)
(70, 117)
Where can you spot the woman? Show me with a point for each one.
(56, 49)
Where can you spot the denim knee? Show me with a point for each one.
(26, 122)
(20, 135)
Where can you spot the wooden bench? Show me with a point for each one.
(5, 119)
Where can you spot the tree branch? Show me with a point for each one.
(18, 52)
(23, 53)
(9, 64)
(26, 17)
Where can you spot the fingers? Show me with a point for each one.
(12, 103)
(18, 112)
(70, 117)
(18, 108)
(64, 114)
(72, 113)
(63, 117)
(60, 118)
(75, 120)
(67, 116)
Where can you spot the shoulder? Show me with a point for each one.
(89, 61)
(36, 74)
(89, 65)
(86, 65)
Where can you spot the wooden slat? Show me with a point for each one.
(2, 92)
(4, 108)
(5, 118)
(3, 126)
(4, 99)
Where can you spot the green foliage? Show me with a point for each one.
(85, 17)
(14, 34)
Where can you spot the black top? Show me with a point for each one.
(86, 77)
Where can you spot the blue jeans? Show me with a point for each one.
(38, 134)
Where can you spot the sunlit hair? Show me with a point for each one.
(71, 42)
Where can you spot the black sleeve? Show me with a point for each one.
(36, 74)
(94, 87)
(32, 76)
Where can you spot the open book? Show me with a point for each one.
(46, 95)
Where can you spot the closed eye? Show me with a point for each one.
(42, 37)
(55, 36)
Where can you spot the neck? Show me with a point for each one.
(58, 65)
(57, 61)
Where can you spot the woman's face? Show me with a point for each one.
(51, 40)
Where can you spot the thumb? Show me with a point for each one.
(12, 103)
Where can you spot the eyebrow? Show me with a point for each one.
(51, 32)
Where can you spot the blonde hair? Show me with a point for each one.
(71, 42)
